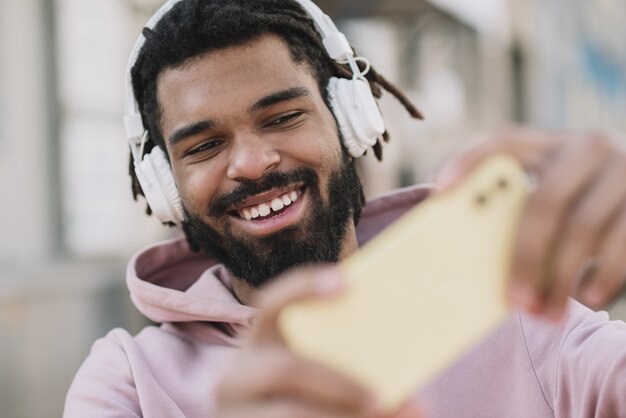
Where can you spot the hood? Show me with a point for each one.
(170, 283)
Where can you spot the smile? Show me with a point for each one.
(271, 212)
(274, 205)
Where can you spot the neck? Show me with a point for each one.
(248, 295)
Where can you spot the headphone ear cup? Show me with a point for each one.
(357, 113)
(158, 185)
(352, 144)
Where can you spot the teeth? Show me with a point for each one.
(277, 205)
(265, 209)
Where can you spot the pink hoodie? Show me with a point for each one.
(526, 369)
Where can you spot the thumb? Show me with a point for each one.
(296, 285)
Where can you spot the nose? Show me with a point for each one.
(251, 158)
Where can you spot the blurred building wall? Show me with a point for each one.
(575, 60)
(24, 122)
(99, 217)
(459, 76)
(67, 223)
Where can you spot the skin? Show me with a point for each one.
(241, 143)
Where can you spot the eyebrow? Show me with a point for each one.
(278, 97)
(263, 103)
(191, 130)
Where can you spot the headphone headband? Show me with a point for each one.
(132, 117)
(335, 43)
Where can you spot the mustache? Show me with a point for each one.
(249, 188)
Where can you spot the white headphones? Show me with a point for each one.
(351, 101)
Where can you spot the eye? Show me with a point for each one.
(205, 147)
(283, 120)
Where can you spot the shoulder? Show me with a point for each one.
(104, 383)
(111, 353)
(154, 373)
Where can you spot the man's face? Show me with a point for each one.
(257, 160)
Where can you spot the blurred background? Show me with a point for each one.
(68, 223)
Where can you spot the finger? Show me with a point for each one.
(277, 373)
(610, 276)
(563, 179)
(293, 286)
(529, 147)
(586, 229)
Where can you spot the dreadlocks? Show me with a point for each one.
(197, 27)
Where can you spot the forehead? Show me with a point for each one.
(231, 76)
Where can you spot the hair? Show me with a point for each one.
(193, 28)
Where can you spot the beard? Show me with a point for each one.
(316, 239)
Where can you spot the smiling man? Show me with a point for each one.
(264, 180)
(240, 134)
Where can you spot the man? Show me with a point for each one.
(234, 92)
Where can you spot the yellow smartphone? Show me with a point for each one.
(421, 293)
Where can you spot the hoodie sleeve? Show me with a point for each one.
(104, 385)
(581, 365)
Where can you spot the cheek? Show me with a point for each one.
(332, 152)
(332, 131)
(326, 142)
(195, 187)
